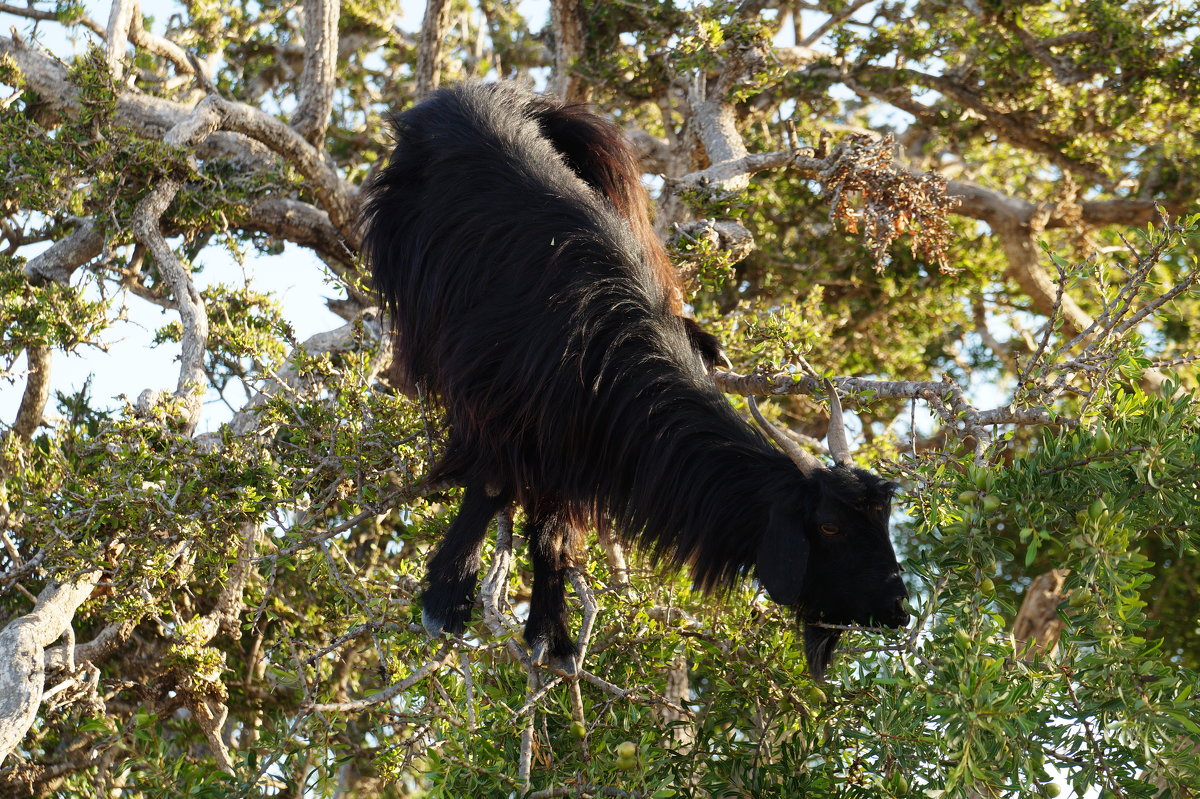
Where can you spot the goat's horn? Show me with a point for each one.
(805, 460)
(838, 447)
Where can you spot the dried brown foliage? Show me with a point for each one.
(894, 200)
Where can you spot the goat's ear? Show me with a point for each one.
(783, 559)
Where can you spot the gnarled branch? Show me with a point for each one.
(120, 17)
(320, 62)
(429, 56)
(566, 20)
(61, 259)
(22, 654)
(37, 392)
(145, 224)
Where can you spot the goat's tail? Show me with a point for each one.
(602, 156)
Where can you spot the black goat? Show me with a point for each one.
(520, 271)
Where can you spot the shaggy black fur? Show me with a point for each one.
(525, 295)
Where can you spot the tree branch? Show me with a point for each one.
(570, 38)
(154, 117)
(715, 122)
(58, 262)
(37, 392)
(279, 217)
(893, 199)
(832, 21)
(120, 16)
(432, 665)
(51, 16)
(203, 120)
(945, 398)
(103, 644)
(224, 614)
(1037, 626)
(338, 198)
(1065, 71)
(494, 588)
(22, 654)
(1018, 240)
(320, 64)
(654, 153)
(1017, 223)
(993, 207)
(300, 223)
(159, 45)
(1007, 126)
(188, 302)
(429, 56)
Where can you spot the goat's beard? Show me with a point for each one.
(819, 643)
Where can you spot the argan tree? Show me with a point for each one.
(977, 219)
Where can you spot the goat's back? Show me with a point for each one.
(512, 286)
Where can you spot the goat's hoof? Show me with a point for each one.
(440, 619)
(566, 664)
(434, 627)
(560, 663)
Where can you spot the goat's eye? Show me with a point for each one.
(830, 529)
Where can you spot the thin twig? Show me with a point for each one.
(432, 665)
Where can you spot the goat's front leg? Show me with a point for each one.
(546, 630)
(454, 569)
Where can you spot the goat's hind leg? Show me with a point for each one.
(454, 569)
(546, 630)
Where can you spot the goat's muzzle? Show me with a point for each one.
(898, 618)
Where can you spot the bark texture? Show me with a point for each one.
(570, 39)
(1038, 626)
(23, 654)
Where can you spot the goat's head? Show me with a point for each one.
(839, 567)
